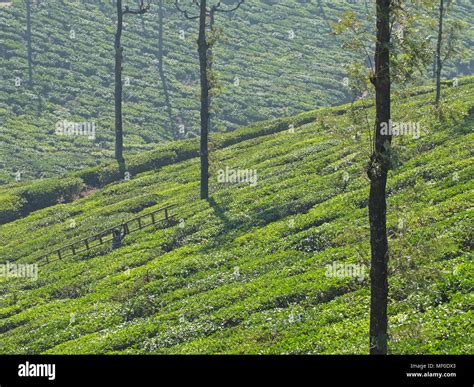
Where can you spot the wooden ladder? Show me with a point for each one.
(140, 222)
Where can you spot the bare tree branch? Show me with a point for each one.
(217, 7)
(184, 12)
(140, 11)
(210, 12)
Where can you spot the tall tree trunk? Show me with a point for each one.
(118, 91)
(210, 64)
(212, 21)
(202, 48)
(378, 171)
(28, 39)
(142, 20)
(323, 15)
(439, 63)
(161, 57)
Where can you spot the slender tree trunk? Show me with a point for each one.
(367, 7)
(212, 21)
(210, 64)
(323, 15)
(142, 20)
(161, 57)
(203, 61)
(118, 91)
(378, 171)
(439, 63)
(28, 39)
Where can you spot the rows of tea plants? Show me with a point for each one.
(302, 69)
(247, 271)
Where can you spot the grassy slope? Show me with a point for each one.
(74, 79)
(177, 290)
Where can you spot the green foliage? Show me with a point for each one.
(273, 49)
(10, 207)
(246, 272)
(48, 192)
(33, 196)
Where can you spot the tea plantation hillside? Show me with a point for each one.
(275, 58)
(247, 272)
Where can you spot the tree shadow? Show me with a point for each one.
(219, 211)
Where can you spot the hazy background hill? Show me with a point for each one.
(275, 58)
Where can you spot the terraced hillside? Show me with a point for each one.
(247, 272)
(275, 58)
